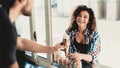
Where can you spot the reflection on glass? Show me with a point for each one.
(39, 16)
(23, 29)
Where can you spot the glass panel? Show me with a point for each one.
(39, 16)
(61, 10)
(60, 20)
(23, 29)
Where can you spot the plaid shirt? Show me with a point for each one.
(91, 39)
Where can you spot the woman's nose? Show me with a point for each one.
(81, 19)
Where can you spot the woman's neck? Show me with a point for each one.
(81, 30)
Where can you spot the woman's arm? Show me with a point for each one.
(95, 46)
(79, 56)
(94, 50)
(28, 45)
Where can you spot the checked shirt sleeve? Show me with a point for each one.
(95, 46)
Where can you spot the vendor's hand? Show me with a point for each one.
(58, 47)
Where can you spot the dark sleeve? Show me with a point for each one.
(7, 40)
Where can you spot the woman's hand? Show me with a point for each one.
(75, 57)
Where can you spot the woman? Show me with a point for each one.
(84, 38)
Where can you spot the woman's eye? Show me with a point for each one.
(85, 16)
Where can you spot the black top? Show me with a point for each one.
(8, 36)
(81, 48)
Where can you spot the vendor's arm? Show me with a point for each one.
(28, 45)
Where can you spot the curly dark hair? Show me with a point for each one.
(7, 3)
(91, 26)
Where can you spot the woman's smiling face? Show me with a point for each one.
(82, 20)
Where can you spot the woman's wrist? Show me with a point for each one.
(86, 57)
(81, 56)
